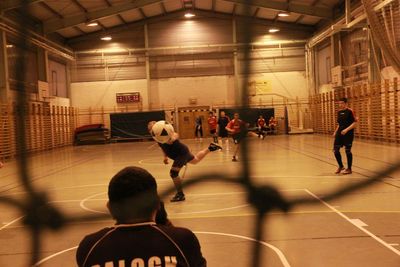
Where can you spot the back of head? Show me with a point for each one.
(132, 195)
(343, 99)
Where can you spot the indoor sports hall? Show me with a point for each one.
(306, 174)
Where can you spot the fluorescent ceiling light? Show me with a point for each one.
(92, 24)
(189, 15)
(272, 30)
(283, 14)
(106, 38)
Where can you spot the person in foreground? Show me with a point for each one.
(138, 238)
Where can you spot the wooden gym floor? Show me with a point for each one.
(361, 229)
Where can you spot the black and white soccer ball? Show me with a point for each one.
(162, 131)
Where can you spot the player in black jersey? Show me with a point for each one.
(181, 155)
(137, 239)
(344, 135)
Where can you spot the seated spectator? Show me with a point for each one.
(137, 239)
(272, 124)
(261, 127)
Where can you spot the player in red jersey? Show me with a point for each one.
(237, 128)
(212, 126)
(272, 123)
(261, 127)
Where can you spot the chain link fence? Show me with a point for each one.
(40, 215)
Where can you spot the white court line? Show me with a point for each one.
(13, 221)
(83, 206)
(207, 211)
(82, 203)
(355, 224)
(54, 255)
(278, 252)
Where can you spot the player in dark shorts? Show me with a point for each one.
(138, 238)
(181, 155)
(223, 121)
(344, 135)
(198, 132)
(212, 126)
(237, 129)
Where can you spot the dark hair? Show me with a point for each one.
(344, 99)
(132, 193)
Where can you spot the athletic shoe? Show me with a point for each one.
(339, 170)
(178, 197)
(347, 171)
(214, 146)
(234, 159)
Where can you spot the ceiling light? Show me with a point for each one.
(92, 24)
(106, 38)
(283, 14)
(9, 46)
(272, 30)
(189, 15)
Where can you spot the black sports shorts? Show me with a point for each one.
(343, 140)
(181, 160)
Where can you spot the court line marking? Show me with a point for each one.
(355, 223)
(54, 255)
(279, 253)
(9, 223)
(83, 206)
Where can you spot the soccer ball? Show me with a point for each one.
(162, 131)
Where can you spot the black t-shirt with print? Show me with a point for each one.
(146, 245)
(345, 118)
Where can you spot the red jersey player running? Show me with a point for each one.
(212, 125)
(237, 128)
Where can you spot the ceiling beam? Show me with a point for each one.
(13, 4)
(78, 4)
(302, 16)
(54, 12)
(119, 15)
(321, 12)
(58, 24)
(179, 14)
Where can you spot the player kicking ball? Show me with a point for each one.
(168, 140)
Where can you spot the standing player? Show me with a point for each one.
(181, 155)
(344, 135)
(261, 127)
(223, 121)
(198, 133)
(237, 128)
(212, 125)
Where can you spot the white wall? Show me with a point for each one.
(103, 94)
(57, 79)
(171, 92)
(208, 90)
(288, 84)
